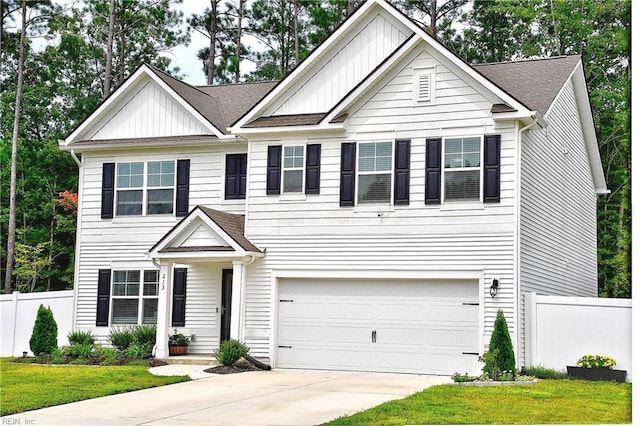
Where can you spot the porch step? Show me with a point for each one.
(194, 359)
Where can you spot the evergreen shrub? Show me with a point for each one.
(501, 348)
(44, 337)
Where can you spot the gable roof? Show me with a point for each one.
(535, 83)
(227, 230)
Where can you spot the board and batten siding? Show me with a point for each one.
(122, 242)
(360, 52)
(558, 206)
(148, 112)
(301, 231)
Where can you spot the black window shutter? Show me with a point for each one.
(433, 173)
(108, 190)
(492, 169)
(348, 174)
(274, 160)
(312, 181)
(104, 292)
(235, 182)
(179, 297)
(182, 190)
(401, 186)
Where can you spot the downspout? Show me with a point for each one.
(75, 158)
(517, 234)
(243, 287)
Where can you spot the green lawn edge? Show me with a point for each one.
(25, 387)
(547, 402)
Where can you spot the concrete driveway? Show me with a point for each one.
(282, 397)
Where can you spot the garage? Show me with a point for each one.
(404, 326)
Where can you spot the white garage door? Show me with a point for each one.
(428, 327)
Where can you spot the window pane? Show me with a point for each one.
(297, 162)
(288, 162)
(383, 149)
(472, 159)
(462, 185)
(292, 181)
(374, 188)
(125, 311)
(453, 146)
(160, 201)
(118, 289)
(367, 150)
(150, 283)
(288, 151)
(383, 164)
(366, 164)
(149, 311)
(160, 173)
(129, 203)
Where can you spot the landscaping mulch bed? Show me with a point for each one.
(241, 366)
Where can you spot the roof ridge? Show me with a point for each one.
(241, 83)
(519, 61)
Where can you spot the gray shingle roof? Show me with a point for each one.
(535, 83)
(232, 224)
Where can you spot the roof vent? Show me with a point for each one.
(423, 85)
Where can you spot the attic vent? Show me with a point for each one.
(424, 87)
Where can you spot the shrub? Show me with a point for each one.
(81, 338)
(79, 350)
(44, 338)
(178, 339)
(459, 378)
(500, 346)
(145, 334)
(230, 351)
(121, 337)
(138, 351)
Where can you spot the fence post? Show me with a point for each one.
(14, 302)
(530, 329)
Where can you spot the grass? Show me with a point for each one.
(547, 402)
(26, 387)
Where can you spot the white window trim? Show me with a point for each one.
(391, 171)
(444, 171)
(140, 297)
(145, 188)
(289, 169)
(417, 74)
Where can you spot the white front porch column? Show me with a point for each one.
(165, 291)
(237, 300)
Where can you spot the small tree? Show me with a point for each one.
(500, 347)
(44, 337)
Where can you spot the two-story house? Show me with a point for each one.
(371, 211)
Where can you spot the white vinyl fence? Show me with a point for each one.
(559, 330)
(18, 314)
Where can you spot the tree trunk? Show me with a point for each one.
(434, 18)
(296, 41)
(123, 40)
(109, 54)
(350, 7)
(11, 238)
(239, 39)
(211, 60)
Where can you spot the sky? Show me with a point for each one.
(185, 57)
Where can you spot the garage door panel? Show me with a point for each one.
(421, 326)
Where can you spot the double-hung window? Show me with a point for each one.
(375, 166)
(134, 297)
(462, 169)
(145, 188)
(293, 168)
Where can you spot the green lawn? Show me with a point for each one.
(548, 401)
(26, 387)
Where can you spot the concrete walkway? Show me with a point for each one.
(277, 397)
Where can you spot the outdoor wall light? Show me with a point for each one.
(493, 290)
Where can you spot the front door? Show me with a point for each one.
(225, 316)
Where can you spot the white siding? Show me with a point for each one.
(558, 225)
(364, 49)
(312, 231)
(149, 112)
(123, 241)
